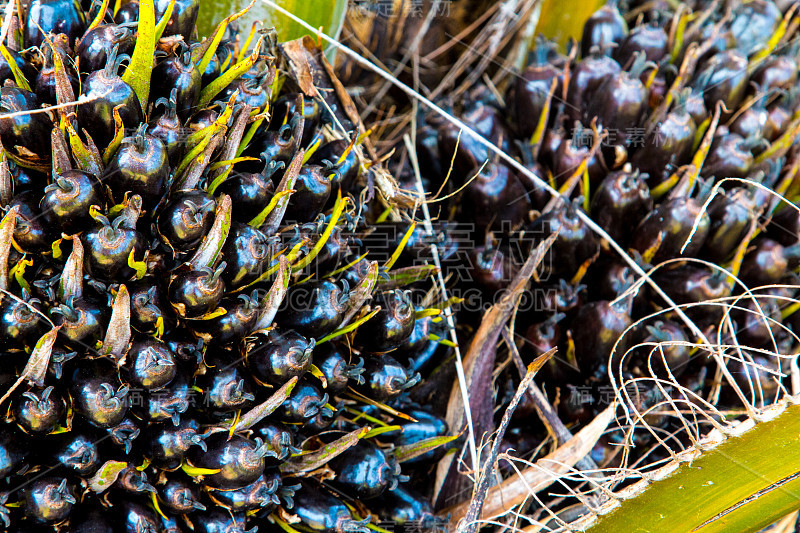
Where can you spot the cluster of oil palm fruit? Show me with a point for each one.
(634, 125)
(192, 336)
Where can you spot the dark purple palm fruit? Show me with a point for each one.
(253, 91)
(784, 227)
(97, 392)
(31, 232)
(752, 121)
(183, 19)
(348, 165)
(82, 320)
(279, 356)
(250, 192)
(166, 446)
(188, 351)
(131, 515)
(488, 122)
(194, 293)
(305, 403)
(696, 107)
(574, 245)
(385, 378)
(555, 296)
(262, 495)
(391, 326)
(149, 306)
(111, 247)
(542, 337)
(530, 90)
(49, 500)
(337, 250)
(248, 254)
(723, 78)
(66, 203)
(20, 320)
(662, 342)
(128, 12)
(27, 179)
(332, 360)
(404, 505)
(619, 103)
(312, 191)
(181, 74)
(165, 125)
(25, 66)
(553, 138)
(285, 109)
(610, 277)
(186, 219)
(669, 145)
(219, 520)
(133, 482)
(45, 87)
(40, 411)
(239, 460)
(671, 223)
(365, 471)
(140, 166)
(730, 214)
(585, 77)
(107, 90)
(695, 284)
(621, 202)
(238, 320)
(25, 137)
(271, 145)
(768, 263)
(538, 197)
(59, 358)
(56, 16)
(572, 151)
(649, 39)
(730, 156)
(97, 43)
(427, 425)
(226, 386)
(780, 113)
(495, 199)
(315, 308)
(758, 377)
(596, 329)
(488, 267)
(421, 350)
(179, 495)
(204, 118)
(604, 28)
(777, 71)
(77, 451)
(150, 364)
(758, 319)
(753, 25)
(321, 512)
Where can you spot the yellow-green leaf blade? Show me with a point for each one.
(743, 484)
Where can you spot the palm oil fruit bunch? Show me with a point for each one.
(671, 142)
(194, 338)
